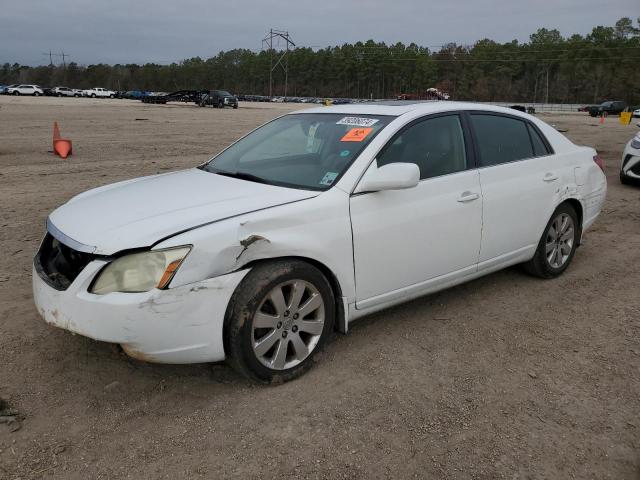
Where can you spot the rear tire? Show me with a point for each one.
(274, 341)
(558, 244)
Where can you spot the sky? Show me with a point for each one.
(161, 31)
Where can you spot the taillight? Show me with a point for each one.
(599, 162)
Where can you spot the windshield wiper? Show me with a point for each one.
(242, 176)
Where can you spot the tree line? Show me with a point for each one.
(598, 66)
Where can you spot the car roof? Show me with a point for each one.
(400, 107)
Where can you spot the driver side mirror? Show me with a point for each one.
(393, 176)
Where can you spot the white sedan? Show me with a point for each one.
(309, 222)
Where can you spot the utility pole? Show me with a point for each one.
(282, 59)
(546, 99)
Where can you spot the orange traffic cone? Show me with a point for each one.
(601, 118)
(61, 146)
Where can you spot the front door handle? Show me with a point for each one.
(468, 197)
(550, 177)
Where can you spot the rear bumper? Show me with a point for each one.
(178, 325)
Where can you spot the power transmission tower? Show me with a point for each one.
(61, 54)
(50, 58)
(282, 59)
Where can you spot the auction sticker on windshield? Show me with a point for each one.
(357, 121)
(356, 135)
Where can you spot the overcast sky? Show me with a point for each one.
(161, 31)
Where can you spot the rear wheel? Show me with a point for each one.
(557, 245)
(280, 316)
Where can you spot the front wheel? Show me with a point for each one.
(93, 95)
(280, 316)
(557, 245)
(16, 93)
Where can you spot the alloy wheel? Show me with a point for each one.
(560, 240)
(288, 324)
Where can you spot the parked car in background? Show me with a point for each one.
(34, 90)
(66, 92)
(5, 90)
(218, 99)
(636, 113)
(608, 108)
(630, 166)
(99, 92)
(317, 218)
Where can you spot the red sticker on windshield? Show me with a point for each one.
(356, 135)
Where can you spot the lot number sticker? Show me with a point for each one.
(328, 178)
(357, 121)
(356, 135)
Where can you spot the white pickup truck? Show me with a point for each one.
(98, 92)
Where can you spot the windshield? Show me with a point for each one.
(224, 93)
(309, 151)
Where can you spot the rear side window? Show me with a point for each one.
(501, 139)
(539, 147)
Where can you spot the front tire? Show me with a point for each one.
(279, 317)
(557, 245)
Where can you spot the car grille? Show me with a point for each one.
(58, 264)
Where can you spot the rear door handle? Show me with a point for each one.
(550, 177)
(468, 197)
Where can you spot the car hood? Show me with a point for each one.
(138, 213)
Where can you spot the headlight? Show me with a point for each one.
(140, 272)
(635, 142)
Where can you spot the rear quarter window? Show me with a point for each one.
(539, 146)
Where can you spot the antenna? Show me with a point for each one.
(282, 60)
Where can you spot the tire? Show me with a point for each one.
(93, 95)
(554, 253)
(16, 92)
(76, 96)
(271, 344)
(220, 104)
(623, 179)
(235, 106)
(36, 94)
(112, 96)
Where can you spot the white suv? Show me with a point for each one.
(99, 92)
(66, 92)
(34, 90)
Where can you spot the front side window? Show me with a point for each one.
(501, 139)
(307, 150)
(436, 145)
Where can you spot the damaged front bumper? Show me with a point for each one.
(177, 325)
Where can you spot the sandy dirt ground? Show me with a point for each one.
(505, 377)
